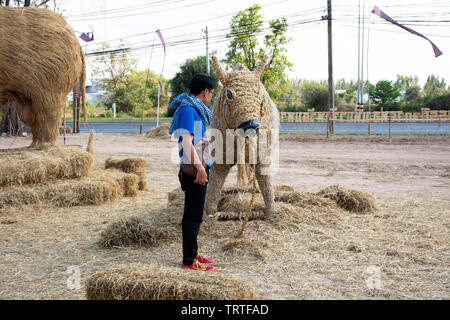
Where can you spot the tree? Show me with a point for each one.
(190, 68)
(314, 95)
(125, 85)
(384, 93)
(434, 87)
(289, 99)
(412, 93)
(405, 82)
(244, 47)
(30, 3)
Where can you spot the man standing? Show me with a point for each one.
(189, 124)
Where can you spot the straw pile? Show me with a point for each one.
(131, 231)
(99, 187)
(67, 129)
(246, 247)
(130, 165)
(234, 204)
(18, 197)
(161, 132)
(60, 176)
(156, 282)
(29, 166)
(350, 200)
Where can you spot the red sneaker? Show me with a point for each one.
(202, 259)
(198, 266)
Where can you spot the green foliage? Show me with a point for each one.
(108, 113)
(342, 84)
(384, 94)
(180, 82)
(126, 86)
(244, 47)
(434, 87)
(412, 93)
(405, 82)
(295, 109)
(289, 98)
(437, 103)
(314, 95)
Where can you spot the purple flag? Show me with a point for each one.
(164, 61)
(381, 14)
(86, 37)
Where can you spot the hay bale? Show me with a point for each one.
(101, 187)
(128, 182)
(134, 165)
(280, 188)
(29, 166)
(65, 129)
(350, 200)
(303, 199)
(235, 207)
(156, 282)
(18, 197)
(161, 132)
(131, 231)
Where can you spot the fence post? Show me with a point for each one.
(389, 117)
(328, 124)
(439, 122)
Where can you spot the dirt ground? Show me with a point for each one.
(405, 241)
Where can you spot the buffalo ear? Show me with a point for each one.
(260, 69)
(221, 74)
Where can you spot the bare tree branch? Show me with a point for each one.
(42, 3)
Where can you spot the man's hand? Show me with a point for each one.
(202, 177)
(193, 158)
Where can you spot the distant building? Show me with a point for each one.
(94, 93)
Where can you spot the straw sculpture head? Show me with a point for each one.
(41, 61)
(244, 108)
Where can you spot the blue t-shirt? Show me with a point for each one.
(189, 121)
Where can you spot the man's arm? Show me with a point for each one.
(194, 159)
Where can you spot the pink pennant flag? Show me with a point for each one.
(164, 61)
(384, 16)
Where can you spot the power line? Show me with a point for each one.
(103, 13)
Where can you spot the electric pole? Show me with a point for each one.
(358, 90)
(207, 53)
(330, 69)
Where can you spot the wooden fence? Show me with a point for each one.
(375, 116)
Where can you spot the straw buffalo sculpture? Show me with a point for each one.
(41, 61)
(243, 103)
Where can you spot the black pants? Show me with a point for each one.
(194, 203)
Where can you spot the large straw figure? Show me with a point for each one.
(40, 62)
(243, 106)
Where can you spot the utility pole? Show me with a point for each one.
(362, 58)
(207, 53)
(330, 68)
(358, 90)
